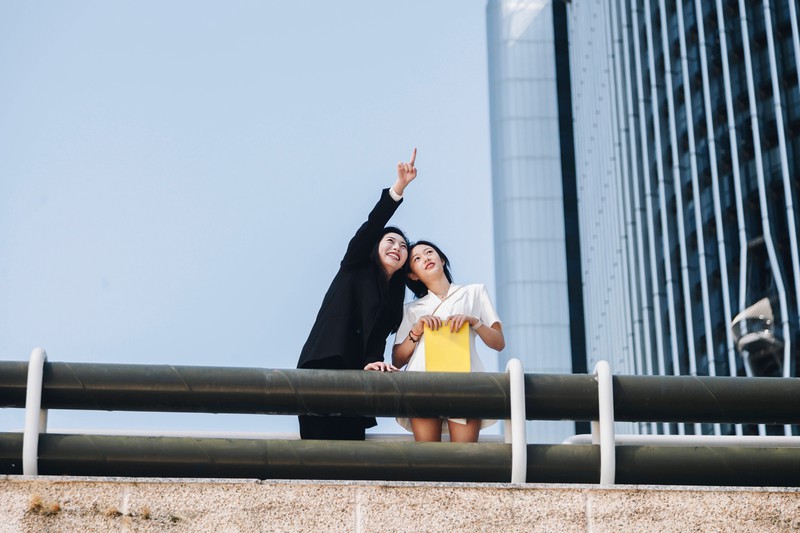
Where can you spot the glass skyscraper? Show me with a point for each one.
(683, 152)
(531, 233)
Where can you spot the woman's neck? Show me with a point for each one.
(440, 287)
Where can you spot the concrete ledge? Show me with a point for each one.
(104, 504)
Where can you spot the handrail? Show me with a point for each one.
(603, 429)
(95, 455)
(35, 416)
(515, 427)
(166, 388)
(740, 441)
(513, 396)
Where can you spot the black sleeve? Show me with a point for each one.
(377, 356)
(367, 235)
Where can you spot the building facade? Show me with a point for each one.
(531, 234)
(686, 131)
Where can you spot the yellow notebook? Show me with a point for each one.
(446, 351)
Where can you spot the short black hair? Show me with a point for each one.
(416, 286)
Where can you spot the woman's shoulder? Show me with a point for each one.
(474, 287)
(417, 303)
(476, 292)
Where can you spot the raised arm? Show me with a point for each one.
(406, 172)
(367, 235)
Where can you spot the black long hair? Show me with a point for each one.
(416, 286)
(394, 286)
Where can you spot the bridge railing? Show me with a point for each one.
(600, 398)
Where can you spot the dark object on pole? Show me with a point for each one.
(87, 455)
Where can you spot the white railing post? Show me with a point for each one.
(603, 429)
(515, 427)
(35, 416)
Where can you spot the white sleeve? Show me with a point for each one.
(396, 197)
(487, 313)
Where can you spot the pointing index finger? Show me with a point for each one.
(413, 157)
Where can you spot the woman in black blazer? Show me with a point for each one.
(363, 305)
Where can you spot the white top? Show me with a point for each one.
(471, 300)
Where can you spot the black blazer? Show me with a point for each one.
(355, 317)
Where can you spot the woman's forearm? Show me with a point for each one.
(401, 353)
(492, 336)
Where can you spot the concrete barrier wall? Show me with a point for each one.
(94, 504)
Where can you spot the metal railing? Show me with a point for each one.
(602, 398)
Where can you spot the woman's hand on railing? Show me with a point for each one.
(380, 366)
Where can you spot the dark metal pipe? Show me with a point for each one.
(707, 399)
(114, 387)
(86, 455)
(94, 455)
(560, 463)
(13, 382)
(719, 466)
(325, 392)
(561, 397)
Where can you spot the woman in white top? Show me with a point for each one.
(440, 303)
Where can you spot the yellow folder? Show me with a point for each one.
(446, 351)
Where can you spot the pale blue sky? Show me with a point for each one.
(179, 180)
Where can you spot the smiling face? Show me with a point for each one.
(426, 264)
(392, 252)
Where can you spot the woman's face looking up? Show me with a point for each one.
(425, 263)
(393, 252)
